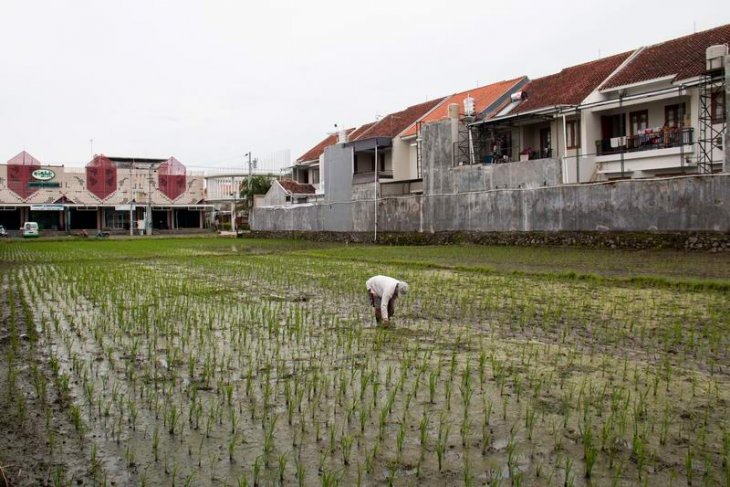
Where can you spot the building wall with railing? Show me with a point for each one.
(440, 176)
(657, 149)
(727, 114)
(450, 203)
(684, 204)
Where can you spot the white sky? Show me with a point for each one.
(207, 81)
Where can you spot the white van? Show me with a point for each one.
(30, 230)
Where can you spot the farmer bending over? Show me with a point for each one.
(383, 291)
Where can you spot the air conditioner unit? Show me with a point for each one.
(715, 55)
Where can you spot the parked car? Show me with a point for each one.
(30, 230)
(3, 232)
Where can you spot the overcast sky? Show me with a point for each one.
(208, 81)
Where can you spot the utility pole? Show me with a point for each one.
(236, 190)
(148, 217)
(375, 232)
(250, 173)
(131, 201)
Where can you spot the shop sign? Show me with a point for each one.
(44, 184)
(46, 207)
(43, 174)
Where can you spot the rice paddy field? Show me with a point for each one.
(257, 362)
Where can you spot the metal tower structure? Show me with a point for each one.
(712, 120)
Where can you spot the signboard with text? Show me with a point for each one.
(50, 207)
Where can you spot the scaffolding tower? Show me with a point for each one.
(419, 150)
(712, 120)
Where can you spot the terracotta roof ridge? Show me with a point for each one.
(513, 82)
(587, 63)
(688, 36)
(606, 83)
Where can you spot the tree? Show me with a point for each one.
(259, 185)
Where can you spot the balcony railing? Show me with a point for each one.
(400, 188)
(650, 139)
(369, 176)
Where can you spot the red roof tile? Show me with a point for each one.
(570, 86)
(295, 187)
(388, 126)
(683, 57)
(394, 123)
(316, 151)
(483, 96)
(360, 130)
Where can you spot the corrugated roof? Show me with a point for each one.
(570, 86)
(295, 187)
(683, 57)
(394, 123)
(484, 96)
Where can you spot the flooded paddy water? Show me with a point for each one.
(203, 362)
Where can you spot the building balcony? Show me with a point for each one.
(401, 188)
(648, 140)
(369, 176)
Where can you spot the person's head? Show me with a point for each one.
(403, 288)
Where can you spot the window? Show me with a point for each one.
(572, 133)
(673, 115)
(717, 107)
(639, 121)
(314, 176)
(613, 126)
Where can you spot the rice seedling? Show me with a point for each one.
(595, 371)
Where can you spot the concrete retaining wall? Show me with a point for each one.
(690, 203)
(474, 199)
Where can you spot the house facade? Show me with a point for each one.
(476, 104)
(645, 115)
(543, 122)
(664, 112)
(109, 193)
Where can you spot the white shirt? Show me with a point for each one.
(384, 287)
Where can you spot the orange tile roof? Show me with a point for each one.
(360, 130)
(295, 187)
(388, 126)
(394, 123)
(484, 96)
(683, 57)
(316, 151)
(570, 86)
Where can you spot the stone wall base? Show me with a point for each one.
(691, 241)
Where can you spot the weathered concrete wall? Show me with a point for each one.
(688, 203)
(275, 196)
(440, 177)
(336, 215)
(363, 191)
(452, 202)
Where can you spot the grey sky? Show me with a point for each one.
(209, 81)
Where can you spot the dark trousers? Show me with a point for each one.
(376, 302)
